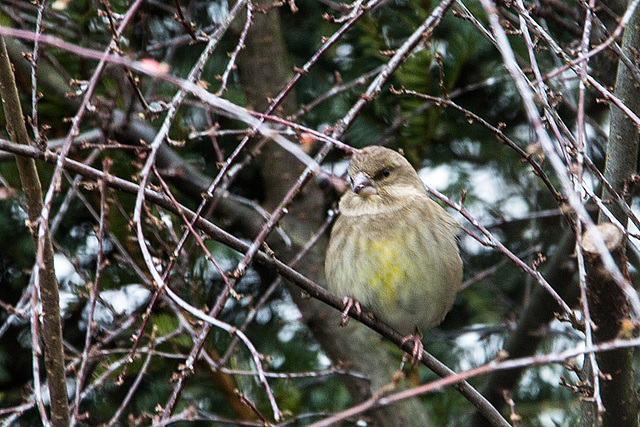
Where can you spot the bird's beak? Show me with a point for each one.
(363, 186)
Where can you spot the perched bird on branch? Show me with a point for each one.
(392, 248)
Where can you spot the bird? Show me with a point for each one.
(392, 248)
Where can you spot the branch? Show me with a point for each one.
(495, 365)
(526, 337)
(52, 329)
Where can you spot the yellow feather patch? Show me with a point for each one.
(387, 259)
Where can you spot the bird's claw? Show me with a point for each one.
(348, 304)
(416, 353)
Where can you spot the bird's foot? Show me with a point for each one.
(348, 304)
(416, 353)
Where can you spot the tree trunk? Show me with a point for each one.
(608, 306)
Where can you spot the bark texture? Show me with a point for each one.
(607, 305)
(609, 308)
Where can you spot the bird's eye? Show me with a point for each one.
(382, 173)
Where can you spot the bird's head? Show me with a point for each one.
(382, 178)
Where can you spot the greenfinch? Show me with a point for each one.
(392, 248)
